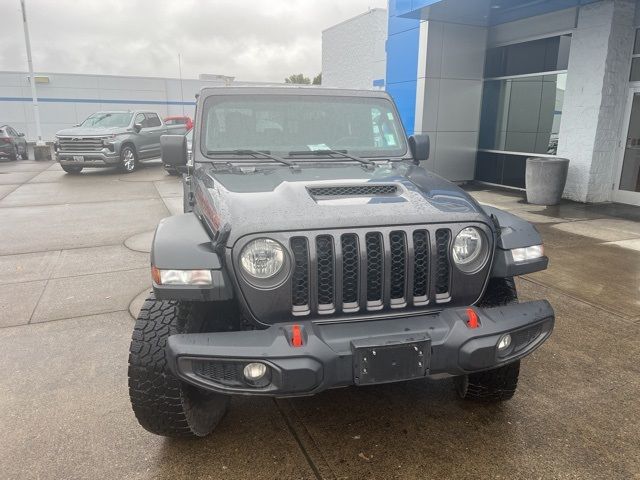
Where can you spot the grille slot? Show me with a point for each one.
(350, 271)
(420, 266)
(353, 190)
(80, 144)
(326, 268)
(398, 250)
(375, 269)
(443, 268)
(226, 373)
(300, 277)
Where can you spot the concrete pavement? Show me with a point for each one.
(73, 263)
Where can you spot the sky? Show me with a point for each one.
(251, 40)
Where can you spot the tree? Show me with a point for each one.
(298, 78)
(317, 80)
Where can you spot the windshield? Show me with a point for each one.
(108, 119)
(175, 121)
(280, 124)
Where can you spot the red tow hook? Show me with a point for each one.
(472, 318)
(296, 336)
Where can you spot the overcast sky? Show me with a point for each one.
(251, 40)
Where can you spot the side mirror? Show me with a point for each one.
(419, 145)
(173, 150)
(21, 134)
(137, 127)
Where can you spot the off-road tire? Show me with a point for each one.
(500, 383)
(162, 403)
(495, 385)
(171, 170)
(499, 292)
(128, 159)
(72, 169)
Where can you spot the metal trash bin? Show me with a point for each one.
(545, 179)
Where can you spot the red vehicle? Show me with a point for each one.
(180, 120)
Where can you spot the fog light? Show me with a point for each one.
(254, 371)
(504, 342)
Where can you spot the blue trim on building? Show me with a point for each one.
(463, 11)
(402, 65)
(96, 100)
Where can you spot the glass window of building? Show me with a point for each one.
(521, 107)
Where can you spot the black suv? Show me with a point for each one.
(12, 144)
(315, 252)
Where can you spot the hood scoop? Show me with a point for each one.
(361, 190)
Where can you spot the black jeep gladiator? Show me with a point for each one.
(315, 253)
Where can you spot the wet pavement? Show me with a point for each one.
(74, 263)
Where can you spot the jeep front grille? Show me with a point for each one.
(80, 144)
(369, 271)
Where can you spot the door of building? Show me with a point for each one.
(627, 185)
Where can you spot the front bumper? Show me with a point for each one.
(6, 149)
(331, 354)
(101, 158)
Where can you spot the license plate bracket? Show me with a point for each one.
(78, 158)
(392, 358)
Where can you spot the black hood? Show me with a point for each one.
(269, 198)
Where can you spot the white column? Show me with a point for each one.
(594, 102)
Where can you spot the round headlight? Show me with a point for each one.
(262, 258)
(467, 248)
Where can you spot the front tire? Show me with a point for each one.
(73, 170)
(128, 159)
(162, 403)
(499, 384)
(495, 385)
(14, 156)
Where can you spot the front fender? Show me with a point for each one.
(182, 243)
(514, 232)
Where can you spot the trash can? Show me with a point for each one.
(545, 179)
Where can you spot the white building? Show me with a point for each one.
(353, 53)
(66, 99)
(494, 82)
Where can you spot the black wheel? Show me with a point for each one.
(494, 385)
(500, 383)
(128, 159)
(25, 153)
(171, 170)
(161, 402)
(499, 292)
(14, 155)
(72, 169)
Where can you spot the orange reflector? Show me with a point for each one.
(472, 318)
(296, 336)
(155, 275)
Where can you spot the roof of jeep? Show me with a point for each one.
(292, 90)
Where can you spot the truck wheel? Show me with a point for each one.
(494, 385)
(162, 403)
(499, 292)
(129, 159)
(500, 383)
(72, 169)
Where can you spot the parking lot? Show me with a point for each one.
(74, 267)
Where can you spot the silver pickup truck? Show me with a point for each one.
(114, 138)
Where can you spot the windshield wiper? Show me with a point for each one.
(254, 154)
(330, 152)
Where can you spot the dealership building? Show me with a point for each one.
(66, 99)
(494, 82)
